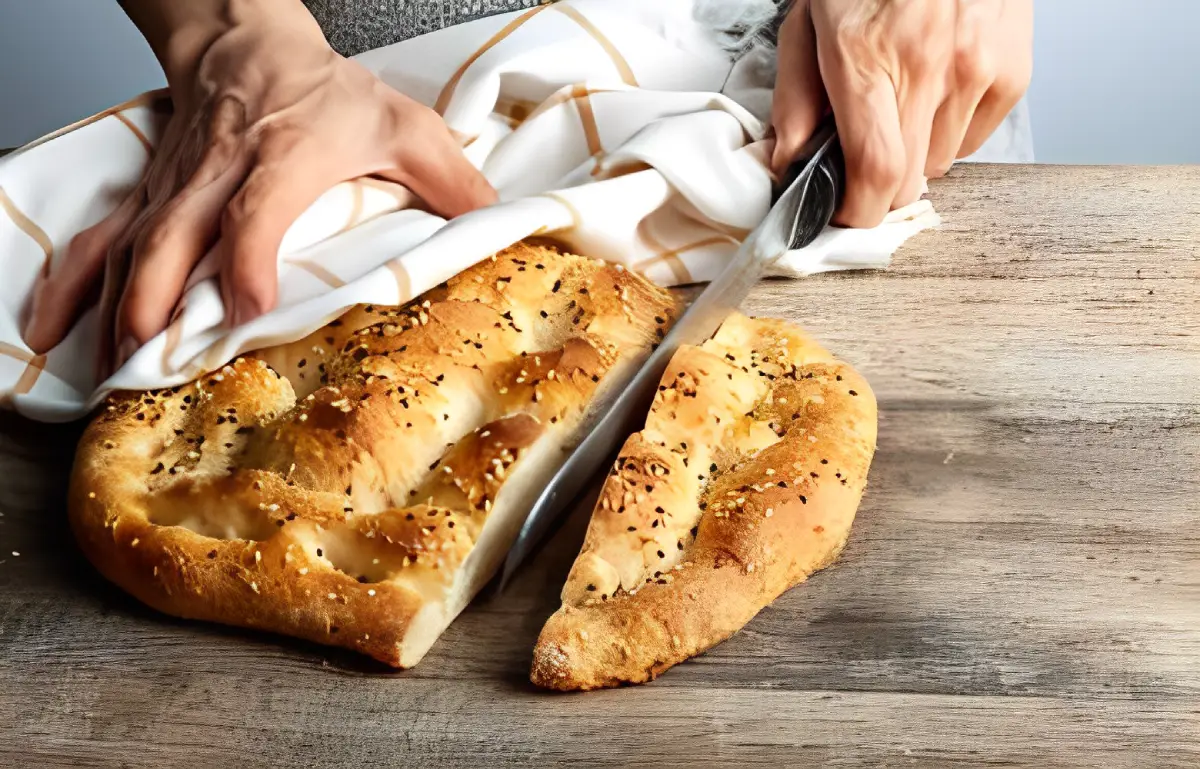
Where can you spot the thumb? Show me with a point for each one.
(799, 100)
(432, 164)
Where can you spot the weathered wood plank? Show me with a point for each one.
(1022, 585)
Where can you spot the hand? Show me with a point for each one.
(267, 117)
(913, 84)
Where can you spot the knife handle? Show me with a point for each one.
(815, 184)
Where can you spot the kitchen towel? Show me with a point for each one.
(620, 128)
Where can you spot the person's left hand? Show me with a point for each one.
(913, 85)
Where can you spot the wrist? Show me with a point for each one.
(181, 33)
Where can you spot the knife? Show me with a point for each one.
(809, 196)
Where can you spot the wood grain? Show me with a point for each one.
(1022, 585)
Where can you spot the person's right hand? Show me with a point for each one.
(267, 117)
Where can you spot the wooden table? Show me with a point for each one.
(1022, 584)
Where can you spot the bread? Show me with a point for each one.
(359, 487)
(744, 482)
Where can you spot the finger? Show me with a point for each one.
(993, 108)
(179, 225)
(799, 100)
(59, 298)
(275, 193)
(972, 71)
(916, 125)
(868, 123)
(171, 243)
(973, 77)
(1014, 68)
(431, 164)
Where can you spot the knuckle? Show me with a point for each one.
(851, 36)
(234, 216)
(134, 318)
(1015, 79)
(151, 237)
(881, 167)
(422, 118)
(973, 67)
(90, 243)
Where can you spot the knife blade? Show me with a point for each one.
(810, 194)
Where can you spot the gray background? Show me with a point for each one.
(1115, 81)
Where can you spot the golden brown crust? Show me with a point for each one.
(357, 487)
(744, 482)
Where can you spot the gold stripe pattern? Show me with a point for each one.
(29, 227)
(404, 290)
(670, 256)
(443, 99)
(587, 116)
(356, 207)
(136, 132)
(34, 364)
(618, 60)
(319, 272)
(576, 217)
(150, 97)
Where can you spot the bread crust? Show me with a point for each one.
(358, 487)
(744, 482)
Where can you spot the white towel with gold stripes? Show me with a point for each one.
(619, 127)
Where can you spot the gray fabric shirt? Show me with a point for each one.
(354, 26)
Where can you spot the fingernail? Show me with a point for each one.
(125, 351)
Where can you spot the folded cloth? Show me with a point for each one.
(601, 123)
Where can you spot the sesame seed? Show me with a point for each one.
(371, 592)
